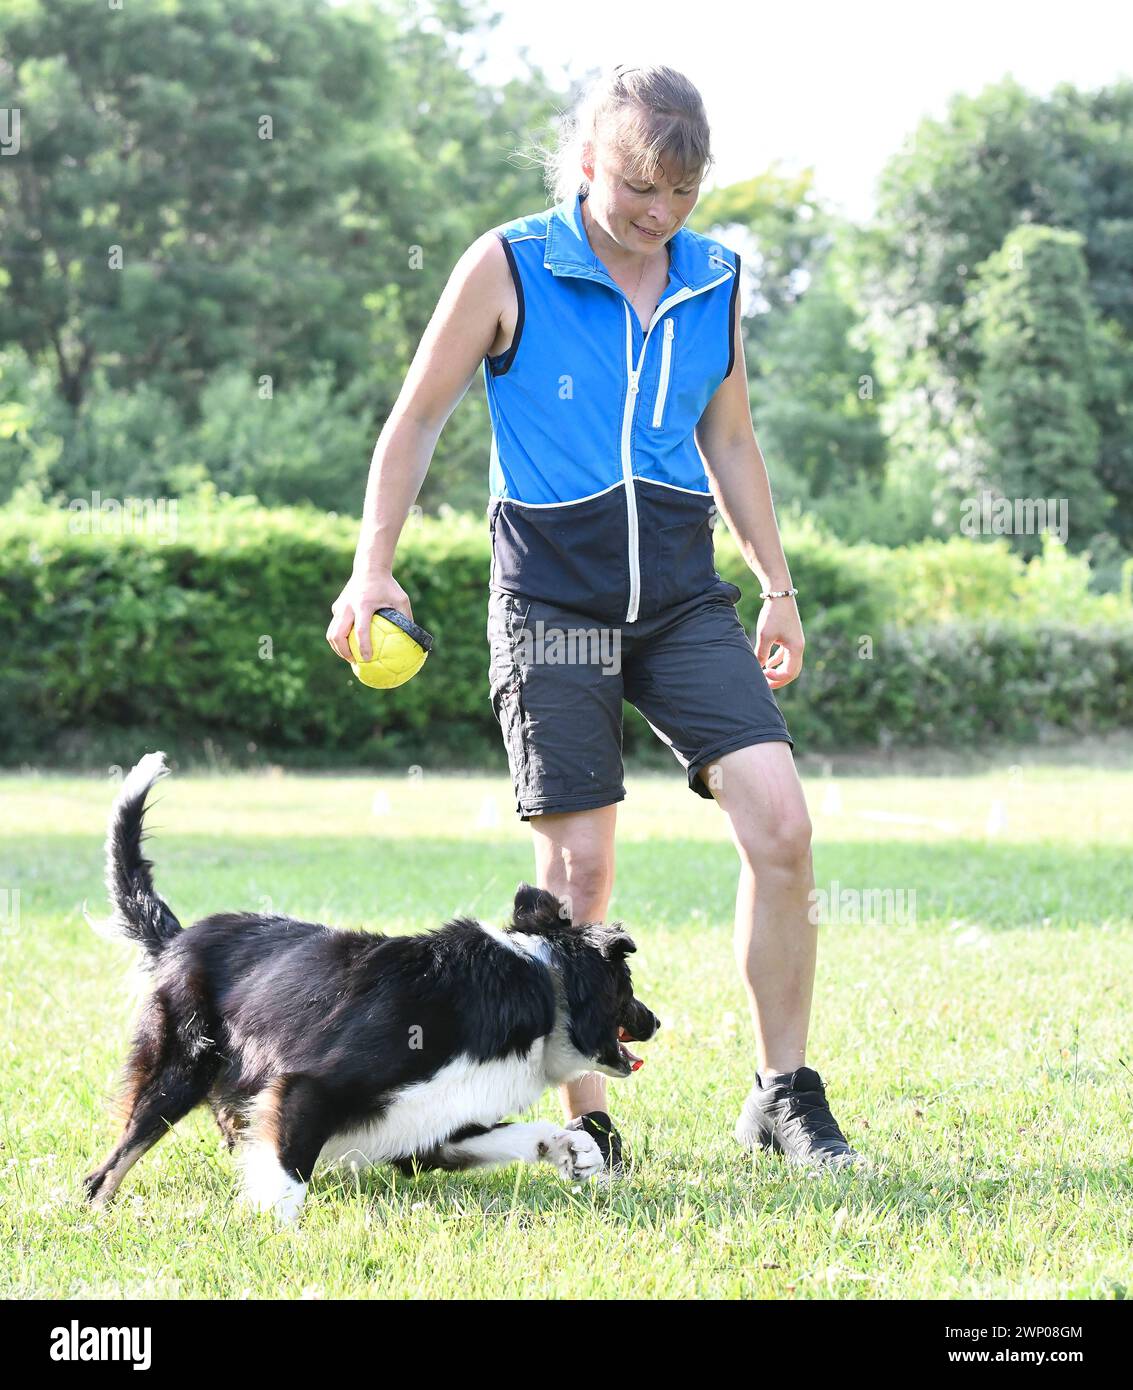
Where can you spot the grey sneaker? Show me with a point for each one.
(791, 1117)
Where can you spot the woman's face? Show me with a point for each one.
(628, 208)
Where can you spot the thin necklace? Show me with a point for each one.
(641, 272)
(640, 276)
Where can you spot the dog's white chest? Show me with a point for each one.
(425, 1113)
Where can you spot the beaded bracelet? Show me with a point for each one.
(778, 593)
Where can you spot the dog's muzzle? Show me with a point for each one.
(642, 1026)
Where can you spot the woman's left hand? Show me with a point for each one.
(780, 626)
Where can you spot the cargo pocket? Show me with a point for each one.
(505, 681)
(509, 711)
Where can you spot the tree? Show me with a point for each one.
(814, 395)
(223, 181)
(1034, 326)
(208, 184)
(947, 202)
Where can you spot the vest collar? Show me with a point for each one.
(693, 261)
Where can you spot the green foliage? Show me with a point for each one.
(303, 443)
(950, 201)
(893, 511)
(284, 184)
(31, 426)
(787, 221)
(1034, 326)
(211, 197)
(119, 442)
(208, 622)
(965, 683)
(961, 580)
(814, 399)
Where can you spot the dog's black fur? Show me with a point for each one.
(295, 1032)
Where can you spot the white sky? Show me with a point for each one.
(837, 86)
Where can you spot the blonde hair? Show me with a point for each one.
(643, 115)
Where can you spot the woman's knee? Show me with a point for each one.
(782, 843)
(574, 858)
(584, 882)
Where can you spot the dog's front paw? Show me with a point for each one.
(575, 1154)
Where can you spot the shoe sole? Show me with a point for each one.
(750, 1132)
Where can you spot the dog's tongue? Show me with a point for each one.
(635, 1061)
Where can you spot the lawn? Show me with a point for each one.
(979, 1050)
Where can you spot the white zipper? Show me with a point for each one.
(666, 363)
(627, 469)
(628, 413)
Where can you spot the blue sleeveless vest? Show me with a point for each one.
(599, 499)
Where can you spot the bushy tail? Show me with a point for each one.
(140, 912)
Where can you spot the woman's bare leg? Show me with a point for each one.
(776, 943)
(574, 859)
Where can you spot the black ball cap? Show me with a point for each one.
(409, 627)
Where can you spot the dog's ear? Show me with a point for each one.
(612, 941)
(537, 905)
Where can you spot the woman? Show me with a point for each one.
(610, 341)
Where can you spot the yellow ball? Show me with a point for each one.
(397, 654)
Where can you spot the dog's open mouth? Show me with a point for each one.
(631, 1058)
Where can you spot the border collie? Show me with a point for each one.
(311, 1043)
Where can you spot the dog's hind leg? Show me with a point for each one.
(290, 1121)
(230, 1119)
(573, 1152)
(164, 1082)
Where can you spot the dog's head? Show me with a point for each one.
(603, 1013)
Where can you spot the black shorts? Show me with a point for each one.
(557, 680)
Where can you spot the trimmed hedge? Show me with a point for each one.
(215, 632)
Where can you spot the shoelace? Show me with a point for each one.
(807, 1112)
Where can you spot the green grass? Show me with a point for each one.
(980, 1055)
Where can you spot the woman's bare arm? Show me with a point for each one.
(737, 473)
(459, 335)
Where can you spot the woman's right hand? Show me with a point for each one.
(363, 595)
